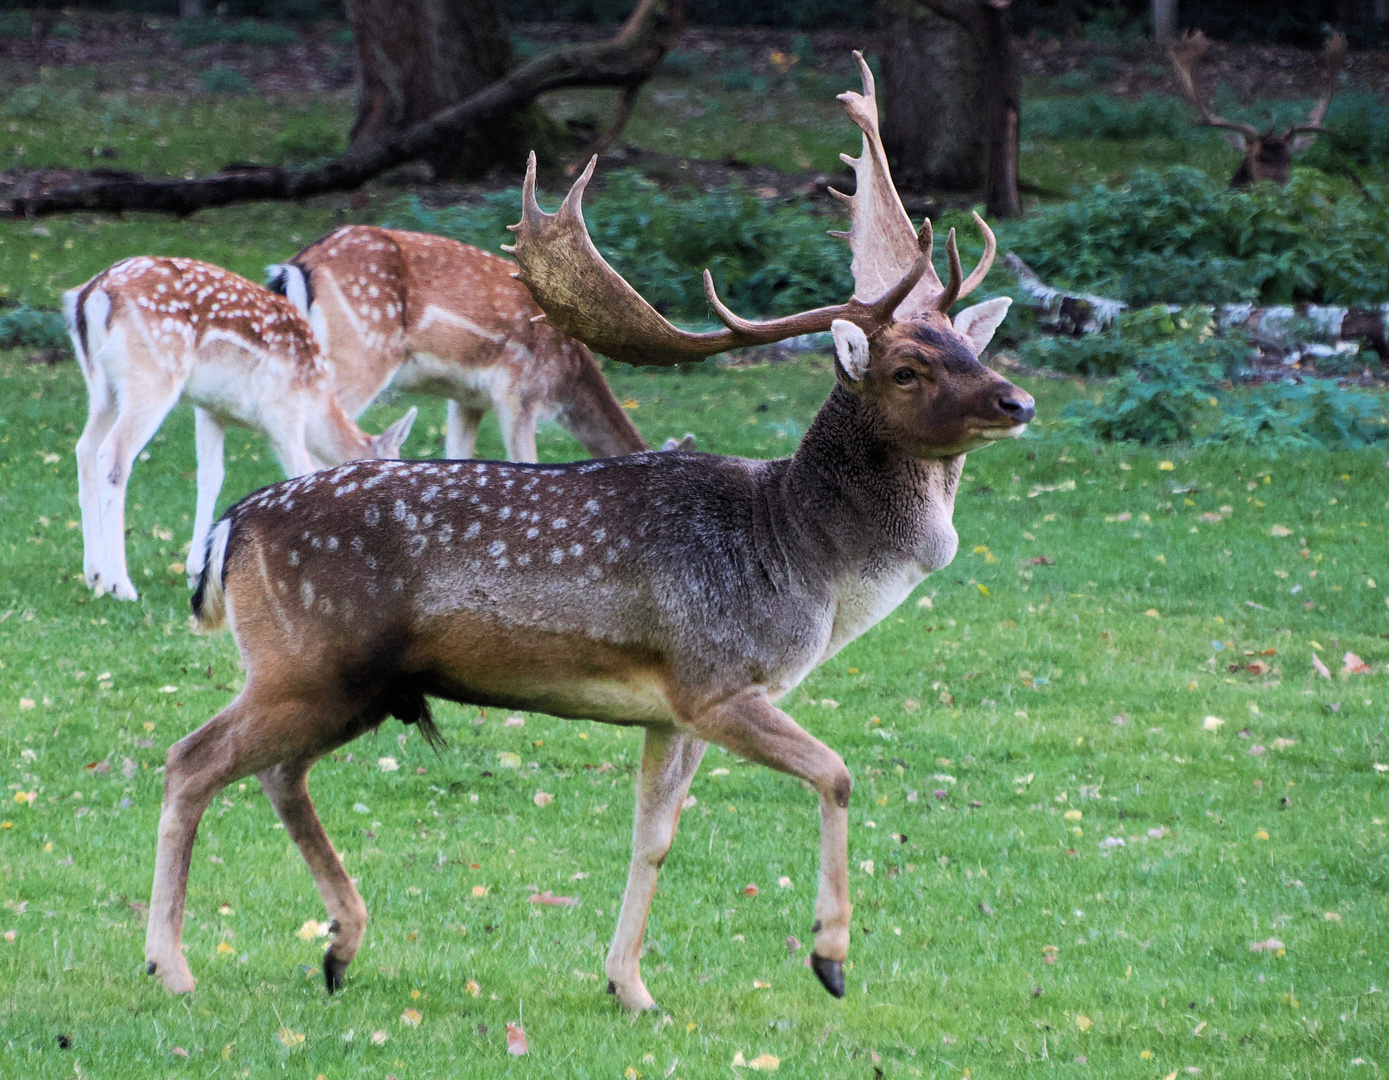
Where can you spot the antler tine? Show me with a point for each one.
(952, 287)
(1185, 55)
(986, 261)
(1334, 55)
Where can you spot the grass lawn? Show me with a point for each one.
(1060, 864)
(1005, 737)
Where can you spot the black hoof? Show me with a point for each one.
(149, 967)
(830, 973)
(333, 971)
(612, 987)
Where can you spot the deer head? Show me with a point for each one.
(1268, 155)
(900, 352)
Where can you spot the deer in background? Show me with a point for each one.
(149, 331)
(443, 318)
(1268, 155)
(680, 592)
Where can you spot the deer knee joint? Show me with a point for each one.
(841, 784)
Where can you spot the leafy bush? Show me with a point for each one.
(28, 328)
(1310, 414)
(1361, 125)
(1099, 116)
(1182, 237)
(16, 24)
(765, 260)
(1138, 341)
(224, 80)
(193, 34)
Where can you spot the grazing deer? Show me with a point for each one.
(440, 317)
(1268, 155)
(683, 593)
(150, 331)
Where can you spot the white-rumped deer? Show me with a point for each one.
(684, 593)
(443, 318)
(1268, 155)
(151, 330)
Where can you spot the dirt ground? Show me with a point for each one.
(141, 52)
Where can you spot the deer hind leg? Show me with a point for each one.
(460, 430)
(211, 471)
(101, 414)
(287, 787)
(144, 403)
(750, 725)
(668, 764)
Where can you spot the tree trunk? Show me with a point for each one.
(1164, 21)
(952, 84)
(417, 57)
(933, 117)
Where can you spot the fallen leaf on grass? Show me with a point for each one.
(378, 1038)
(1319, 667)
(1354, 665)
(507, 760)
(179, 1051)
(549, 899)
(749, 889)
(411, 1018)
(1083, 1022)
(311, 929)
(1212, 723)
(1272, 945)
(514, 721)
(387, 764)
(516, 1044)
(1280, 531)
(223, 949)
(290, 1039)
(542, 798)
(762, 1063)
(473, 988)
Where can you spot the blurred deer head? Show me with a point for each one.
(1268, 155)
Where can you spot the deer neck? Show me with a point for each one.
(876, 510)
(332, 437)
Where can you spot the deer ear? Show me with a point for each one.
(389, 442)
(1237, 140)
(850, 348)
(978, 323)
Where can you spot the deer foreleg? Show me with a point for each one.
(460, 430)
(518, 422)
(210, 439)
(750, 725)
(668, 764)
(286, 786)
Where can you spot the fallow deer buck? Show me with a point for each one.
(149, 331)
(1268, 155)
(443, 318)
(683, 593)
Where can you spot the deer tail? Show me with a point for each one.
(210, 598)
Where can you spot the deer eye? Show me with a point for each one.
(904, 376)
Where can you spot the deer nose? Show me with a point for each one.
(1019, 408)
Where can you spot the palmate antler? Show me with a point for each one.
(881, 236)
(583, 296)
(1334, 57)
(1185, 55)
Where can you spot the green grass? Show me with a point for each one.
(1002, 702)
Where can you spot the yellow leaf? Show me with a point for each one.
(1146, 1055)
(1280, 531)
(1073, 815)
(1212, 723)
(473, 988)
(1261, 835)
(1165, 466)
(479, 890)
(507, 760)
(1153, 613)
(1082, 1022)
(223, 949)
(984, 589)
(765, 1063)
(1171, 1076)
(289, 1039)
(411, 1018)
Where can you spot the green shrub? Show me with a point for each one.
(194, 34)
(224, 80)
(765, 260)
(1099, 116)
(29, 328)
(1135, 340)
(1311, 414)
(1183, 237)
(1361, 125)
(16, 24)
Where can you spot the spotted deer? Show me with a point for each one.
(150, 331)
(443, 318)
(1268, 155)
(684, 593)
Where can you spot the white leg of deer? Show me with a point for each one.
(287, 787)
(518, 429)
(211, 470)
(460, 430)
(101, 414)
(750, 725)
(290, 447)
(668, 764)
(143, 409)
